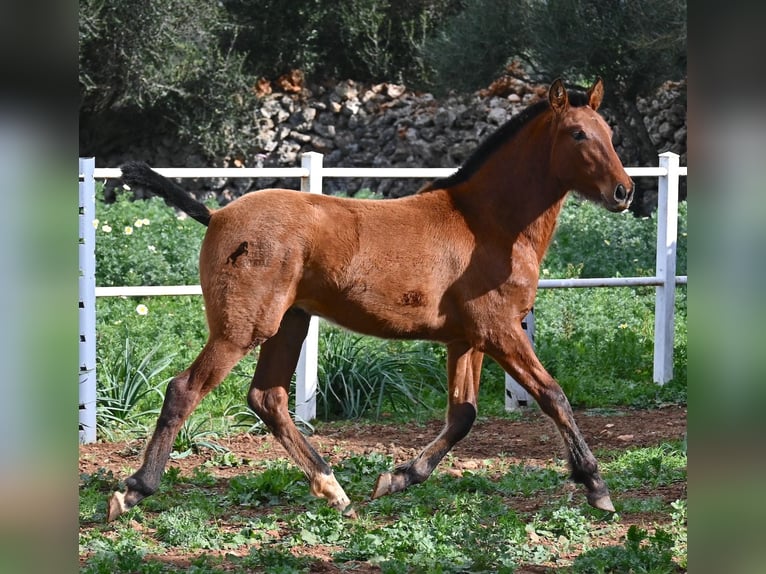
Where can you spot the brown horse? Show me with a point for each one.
(456, 263)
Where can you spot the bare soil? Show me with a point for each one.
(532, 440)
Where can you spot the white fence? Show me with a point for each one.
(311, 174)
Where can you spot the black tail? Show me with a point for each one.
(138, 174)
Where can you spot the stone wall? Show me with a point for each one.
(385, 125)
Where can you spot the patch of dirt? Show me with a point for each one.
(532, 440)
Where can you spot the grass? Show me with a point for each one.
(264, 520)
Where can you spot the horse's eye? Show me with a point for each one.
(579, 135)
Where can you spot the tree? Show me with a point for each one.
(634, 45)
(473, 48)
(160, 59)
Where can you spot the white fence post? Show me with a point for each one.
(667, 235)
(306, 378)
(517, 396)
(87, 301)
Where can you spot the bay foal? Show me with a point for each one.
(456, 263)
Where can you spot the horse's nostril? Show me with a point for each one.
(620, 193)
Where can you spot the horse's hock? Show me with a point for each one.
(384, 125)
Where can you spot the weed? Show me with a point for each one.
(360, 374)
(196, 434)
(275, 559)
(646, 467)
(279, 482)
(187, 528)
(127, 385)
(641, 554)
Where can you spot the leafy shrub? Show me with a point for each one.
(472, 48)
(145, 243)
(128, 391)
(360, 375)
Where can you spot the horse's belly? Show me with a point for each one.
(406, 317)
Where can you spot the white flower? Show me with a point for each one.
(128, 230)
(142, 309)
(151, 248)
(145, 221)
(95, 224)
(138, 223)
(106, 228)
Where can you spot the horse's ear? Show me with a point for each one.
(596, 94)
(558, 98)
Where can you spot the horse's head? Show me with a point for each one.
(583, 158)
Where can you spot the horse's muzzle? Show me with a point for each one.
(622, 197)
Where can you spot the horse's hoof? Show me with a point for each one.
(116, 506)
(601, 502)
(382, 486)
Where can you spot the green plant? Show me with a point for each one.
(642, 554)
(359, 374)
(566, 525)
(679, 531)
(128, 391)
(646, 467)
(187, 528)
(145, 243)
(279, 481)
(195, 434)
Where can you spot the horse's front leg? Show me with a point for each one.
(463, 371)
(269, 397)
(518, 358)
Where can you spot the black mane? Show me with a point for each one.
(500, 136)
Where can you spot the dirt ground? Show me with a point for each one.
(531, 440)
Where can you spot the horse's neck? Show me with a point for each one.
(539, 232)
(514, 191)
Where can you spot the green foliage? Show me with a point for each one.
(280, 481)
(635, 45)
(196, 433)
(446, 524)
(646, 467)
(359, 39)
(599, 343)
(164, 58)
(565, 525)
(128, 389)
(472, 48)
(642, 554)
(145, 243)
(359, 374)
(526, 480)
(187, 528)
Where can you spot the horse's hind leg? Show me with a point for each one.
(524, 366)
(183, 394)
(269, 396)
(463, 371)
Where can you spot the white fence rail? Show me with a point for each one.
(311, 174)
